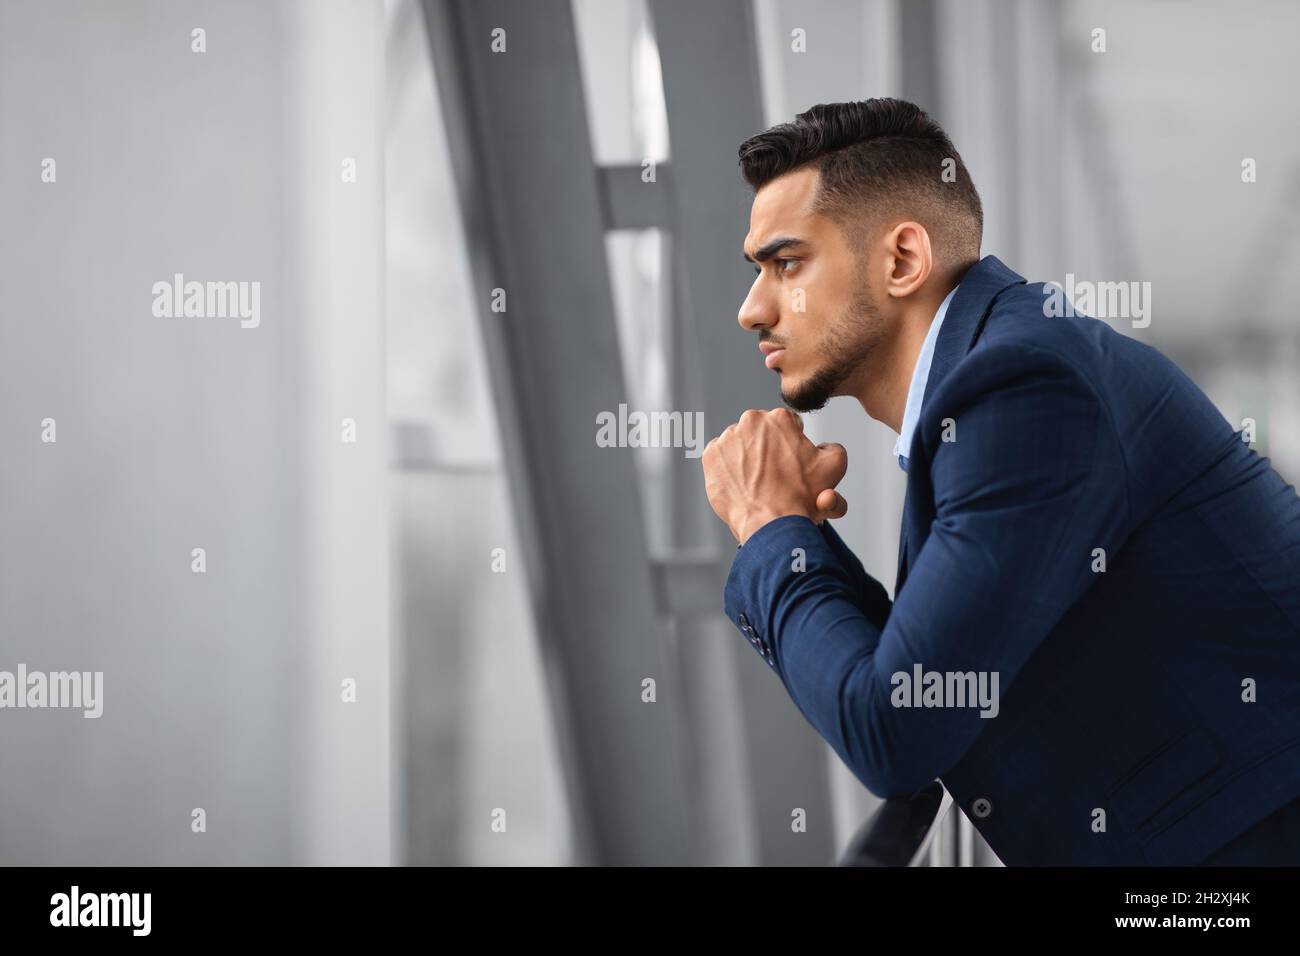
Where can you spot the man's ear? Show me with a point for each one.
(910, 257)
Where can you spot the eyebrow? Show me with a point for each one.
(773, 247)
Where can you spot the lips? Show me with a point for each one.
(772, 353)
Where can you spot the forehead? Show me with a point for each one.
(785, 205)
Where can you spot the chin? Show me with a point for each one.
(810, 393)
(802, 398)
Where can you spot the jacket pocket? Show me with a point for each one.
(1163, 776)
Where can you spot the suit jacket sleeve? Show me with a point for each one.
(870, 595)
(1033, 483)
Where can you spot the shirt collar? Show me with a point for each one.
(920, 375)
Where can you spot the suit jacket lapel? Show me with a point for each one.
(902, 543)
(967, 313)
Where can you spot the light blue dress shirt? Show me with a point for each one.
(916, 391)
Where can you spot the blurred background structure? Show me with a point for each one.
(496, 584)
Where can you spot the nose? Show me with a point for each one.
(757, 311)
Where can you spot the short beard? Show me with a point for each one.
(848, 342)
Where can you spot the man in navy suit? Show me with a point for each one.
(1094, 641)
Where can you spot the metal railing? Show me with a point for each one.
(901, 830)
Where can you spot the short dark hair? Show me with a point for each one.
(883, 155)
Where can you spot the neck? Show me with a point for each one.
(882, 391)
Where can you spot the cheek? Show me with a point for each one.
(816, 292)
(805, 302)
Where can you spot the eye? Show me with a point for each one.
(785, 266)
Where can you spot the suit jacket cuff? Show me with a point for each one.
(760, 571)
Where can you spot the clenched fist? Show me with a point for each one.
(764, 467)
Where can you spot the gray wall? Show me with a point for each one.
(222, 689)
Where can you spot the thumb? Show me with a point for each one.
(831, 504)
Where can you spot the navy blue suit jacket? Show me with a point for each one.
(1081, 520)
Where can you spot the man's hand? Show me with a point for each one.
(764, 467)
